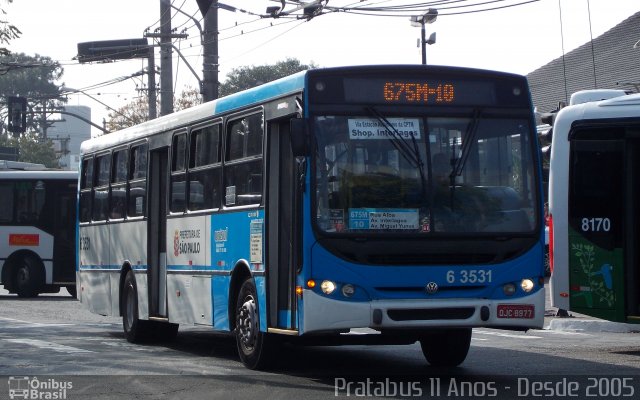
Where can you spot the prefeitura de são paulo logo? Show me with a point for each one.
(176, 243)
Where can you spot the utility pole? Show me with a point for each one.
(153, 112)
(210, 50)
(166, 59)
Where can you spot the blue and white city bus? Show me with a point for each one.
(403, 199)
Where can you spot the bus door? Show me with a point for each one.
(283, 202)
(156, 232)
(64, 231)
(632, 230)
(596, 225)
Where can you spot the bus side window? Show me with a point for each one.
(178, 173)
(243, 170)
(137, 187)
(205, 170)
(118, 197)
(101, 187)
(6, 194)
(86, 184)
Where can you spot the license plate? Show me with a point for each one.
(526, 311)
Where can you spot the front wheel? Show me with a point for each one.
(72, 291)
(446, 347)
(254, 347)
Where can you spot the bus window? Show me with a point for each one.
(178, 172)
(137, 180)
(86, 183)
(204, 168)
(243, 170)
(101, 191)
(6, 194)
(118, 184)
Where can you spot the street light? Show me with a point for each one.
(421, 20)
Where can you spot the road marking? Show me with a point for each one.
(29, 323)
(566, 333)
(49, 345)
(509, 335)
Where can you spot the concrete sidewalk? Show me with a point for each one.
(581, 323)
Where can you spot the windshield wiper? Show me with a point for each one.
(412, 155)
(469, 138)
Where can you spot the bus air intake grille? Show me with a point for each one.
(427, 314)
(421, 289)
(430, 259)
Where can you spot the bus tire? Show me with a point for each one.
(255, 348)
(28, 276)
(72, 291)
(135, 330)
(446, 347)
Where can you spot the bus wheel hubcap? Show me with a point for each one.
(247, 328)
(22, 276)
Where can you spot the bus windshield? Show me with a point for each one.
(386, 174)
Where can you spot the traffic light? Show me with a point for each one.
(17, 114)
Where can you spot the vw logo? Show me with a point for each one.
(431, 288)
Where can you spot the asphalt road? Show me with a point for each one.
(55, 340)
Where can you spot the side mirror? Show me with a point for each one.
(300, 140)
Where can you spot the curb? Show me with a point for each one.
(591, 325)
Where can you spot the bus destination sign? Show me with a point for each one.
(419, 91)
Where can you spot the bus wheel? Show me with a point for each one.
(28, 277)
(135, 330)
(447, 347)
(72, 291)
(254, 347)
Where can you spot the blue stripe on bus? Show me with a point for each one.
(261, 93)
(220, 293)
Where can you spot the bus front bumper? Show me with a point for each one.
(324, 314)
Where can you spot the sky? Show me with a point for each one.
(517, 39)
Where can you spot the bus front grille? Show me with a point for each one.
(427, 314)
(430, 259)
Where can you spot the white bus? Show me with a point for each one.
(593, 197)
(37, 229)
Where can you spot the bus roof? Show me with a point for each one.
(625, 106)
(258, 94)
(19, 165)
(19, 175)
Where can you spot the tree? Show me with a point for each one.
(247, 77)
(137, 111)
(32, 77)
(8, 31)
(238, 79)
(32, 149)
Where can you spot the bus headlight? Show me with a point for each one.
(327, 287)
(509, 289)
(527, 285)
(348, 290)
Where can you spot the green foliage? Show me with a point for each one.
(247, 77)
(239, 79)
(32, 77)
(137, 111)
(32, 149)
(8, 31)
